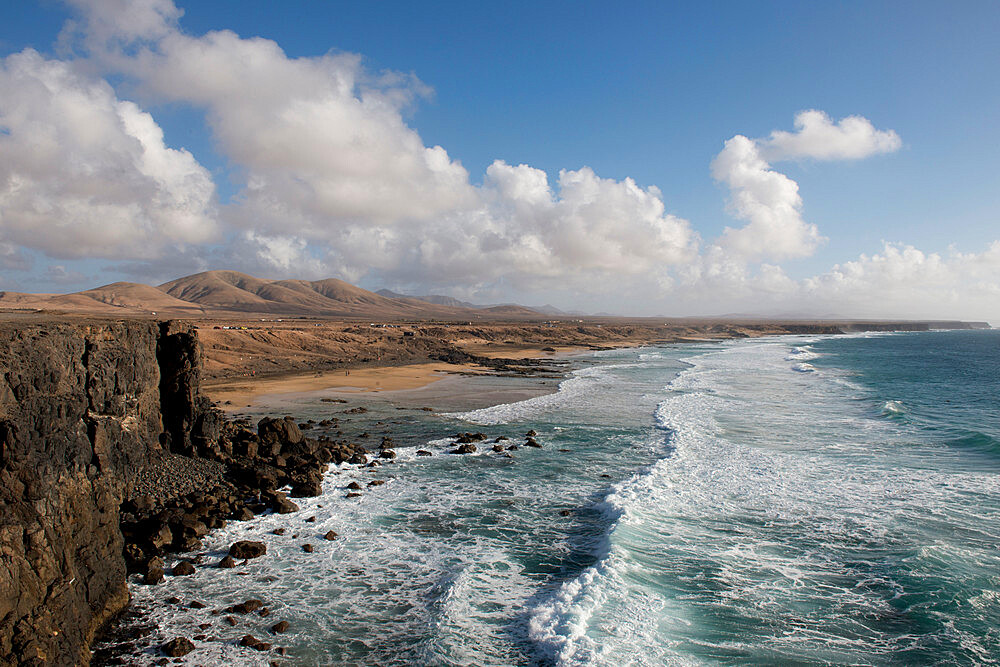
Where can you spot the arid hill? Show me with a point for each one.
(225, 294)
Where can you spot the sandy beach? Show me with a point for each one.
(237, 393)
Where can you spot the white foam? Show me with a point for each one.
(774, 527)
(579, 388)
(893, 408)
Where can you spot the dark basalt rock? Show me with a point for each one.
(424, 452)
(280, 626)
(308, 548)
(153, 575)
(245, 607)
(178, 647)
(330, 535)
(104, 427)
(245, 549)
(355, 486)
(286, 507)
(531, 442)
(183, 569)
(307, 489)
(467, 448)
(275, 434)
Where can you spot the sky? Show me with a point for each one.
(710, 158)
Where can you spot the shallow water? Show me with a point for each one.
(787, 500)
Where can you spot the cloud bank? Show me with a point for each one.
(332, 181)
(84, 174)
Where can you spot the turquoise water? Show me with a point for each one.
(828, 500)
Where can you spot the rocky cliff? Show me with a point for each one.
(80, 406)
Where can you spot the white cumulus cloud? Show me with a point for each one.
(331, 173)
(768, 200)
(84, 174)
(817, 137)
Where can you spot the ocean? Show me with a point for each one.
(787, 500)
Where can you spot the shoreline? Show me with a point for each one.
(337, 480)
(137, 631)
(235, 394)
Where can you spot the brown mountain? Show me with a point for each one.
(230, 293)
(230, 290)
(127, 299)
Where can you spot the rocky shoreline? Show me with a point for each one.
(169, 526)
(111, 458)
(165, 519)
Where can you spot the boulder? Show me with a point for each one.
(153, 575)
(227, 562)
(177, 647)
(242, 514)
(275, 434)
(308, 548)
(245, 549)
(467, 448)
(245, 607)
(279, 627)
(285, 507)
(183, 569)
(330, 535)
(424, 452)
(307, 489)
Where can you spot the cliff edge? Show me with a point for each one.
(80, 406)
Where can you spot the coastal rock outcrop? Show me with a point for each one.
(110, 457)
(80, 408)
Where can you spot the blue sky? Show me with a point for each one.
(649, 92)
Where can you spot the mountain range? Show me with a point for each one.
(233, 294)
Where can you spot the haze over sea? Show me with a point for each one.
(806, 500)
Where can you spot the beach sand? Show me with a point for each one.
(236, 393)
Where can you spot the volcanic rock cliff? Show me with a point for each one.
(80, 406)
